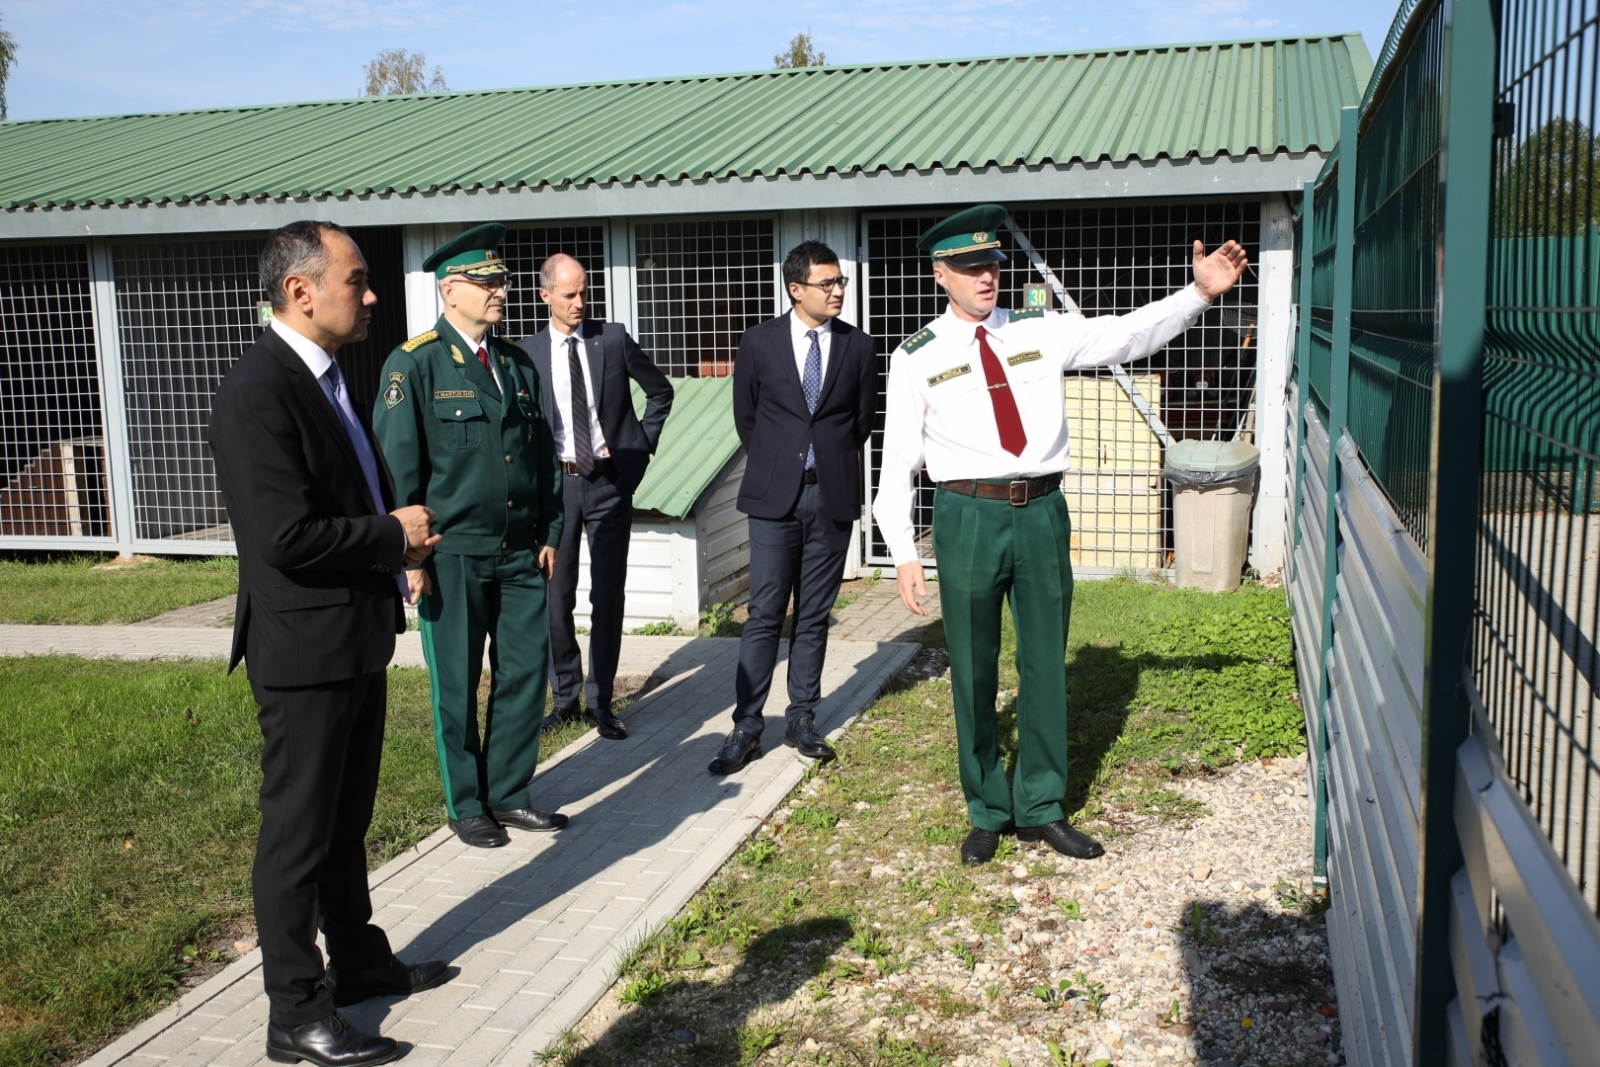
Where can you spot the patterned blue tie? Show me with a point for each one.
(332, 382)
(812, 384)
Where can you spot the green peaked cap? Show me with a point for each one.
(968, 237)
(472, 255)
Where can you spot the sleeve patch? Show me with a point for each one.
(953, 372)
(394, 396)
(419, 340)
(1026, 313)
(917, 340)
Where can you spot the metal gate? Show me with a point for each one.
(1111, 259)
(1447, 412)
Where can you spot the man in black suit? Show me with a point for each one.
(803, 394)
(604, 447)
(320, 552)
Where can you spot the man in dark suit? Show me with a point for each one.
(803, 395)
(585, 368)
(320, 551)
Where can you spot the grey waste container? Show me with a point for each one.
(1213, 486)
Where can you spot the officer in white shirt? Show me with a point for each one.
(977, 398)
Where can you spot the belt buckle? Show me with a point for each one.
(1019, 493)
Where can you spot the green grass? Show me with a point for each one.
(128, 824)
(1163, 682)
(71, 591)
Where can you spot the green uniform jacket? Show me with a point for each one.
(486, 465)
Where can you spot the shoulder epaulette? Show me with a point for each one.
(419, 340)
(917, 340)
(1027, 313)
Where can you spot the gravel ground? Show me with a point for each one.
(1196, 943)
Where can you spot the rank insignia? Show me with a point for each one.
(917, 340)
(953, 372)
(419, 340)
(455, 354)
(1023, 357)
(1026, 313)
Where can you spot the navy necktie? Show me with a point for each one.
(811, 382)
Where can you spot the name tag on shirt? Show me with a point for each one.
(953, 372)
(1024, 357)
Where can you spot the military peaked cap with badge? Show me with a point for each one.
(980, 404)
(471, 256)
(967, 238)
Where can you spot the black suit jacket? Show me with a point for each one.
(614, 357)
(318, 600)
(769, 409)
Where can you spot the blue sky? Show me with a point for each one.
(83, 58)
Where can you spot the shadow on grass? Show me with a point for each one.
(1102, 683)
(713, 1022)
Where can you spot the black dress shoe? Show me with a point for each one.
(531, 819)
(609, 725)
(802, 736)
(979, 847)
(559, 718)
(480, 831)
(738, 749)
(329, 1042)
(1064, 839)
(396, 979)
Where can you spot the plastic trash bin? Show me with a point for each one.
(1213, 486)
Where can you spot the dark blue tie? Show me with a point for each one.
(811, 382)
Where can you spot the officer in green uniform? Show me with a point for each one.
(460, 423)
(976, 397)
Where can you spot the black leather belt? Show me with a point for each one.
(601, 466)
(809, 477)
(1019, 492)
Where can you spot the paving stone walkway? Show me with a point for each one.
(878, 615)
(535, 928)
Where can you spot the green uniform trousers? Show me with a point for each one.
(990, 551)
(502, 598)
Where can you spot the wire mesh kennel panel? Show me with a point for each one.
(525, 249)
(186, 311)
(700, 284)
(52, 443)
(1111, 259)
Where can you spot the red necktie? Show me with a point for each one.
(1012, 438)
(483, 357)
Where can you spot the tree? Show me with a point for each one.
(1547, 183)
(8, 56)
(396, 72)
(801, 53)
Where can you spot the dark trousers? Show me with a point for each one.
(499, 599)
(799, 555)
(599, 509)
(319, 766)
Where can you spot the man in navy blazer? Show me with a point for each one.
(803, 397)
(585, 368)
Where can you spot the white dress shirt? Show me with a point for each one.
(937, 408)
(802, 343)
(561, 389)
(317, 361)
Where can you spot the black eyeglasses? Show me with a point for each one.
(840, 283)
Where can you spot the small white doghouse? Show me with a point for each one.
(691, 546)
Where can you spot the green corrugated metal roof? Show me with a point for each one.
(696, 443)
(1174, 101)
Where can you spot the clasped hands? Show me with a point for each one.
(416, 520)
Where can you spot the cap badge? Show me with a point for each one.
(980, 237)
